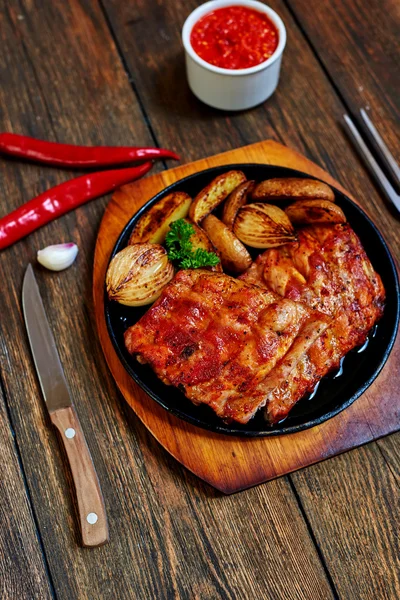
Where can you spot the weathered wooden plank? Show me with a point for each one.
(227, 547)
(19, 543)
(353, 505)
(390, 449)
(170, 535)
(357, 42)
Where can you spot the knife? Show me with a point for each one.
(92, 515)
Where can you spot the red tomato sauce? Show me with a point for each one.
(234, 37)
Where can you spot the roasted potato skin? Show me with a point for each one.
(291, 188)
(201, 240)
(307, 212)
(153, 225)
(214, 193)
(235, 201)
(261, 225)
(234, 256)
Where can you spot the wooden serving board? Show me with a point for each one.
(228, 463)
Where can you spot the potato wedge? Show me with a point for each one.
(153, 225)
(294, 188)
(304, 212)
(235, 201)
(263, 226)
(214, 193)
(234, 256)
(201, 240)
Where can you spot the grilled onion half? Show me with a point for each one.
(137, 275)
(263, 226)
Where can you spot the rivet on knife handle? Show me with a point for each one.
(90, 500)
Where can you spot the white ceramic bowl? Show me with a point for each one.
(232, 89)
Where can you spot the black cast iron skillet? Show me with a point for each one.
(336, 391)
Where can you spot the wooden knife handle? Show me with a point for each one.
(92, 512)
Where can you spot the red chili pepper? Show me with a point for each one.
(69, 155)
(61, 199)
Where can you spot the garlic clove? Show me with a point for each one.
(58, 257)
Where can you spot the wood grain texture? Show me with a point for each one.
(19, 544)
(357, 42)
(390, 450)
(170, 535)
(227, 463)
(88, 493)
(358, 533)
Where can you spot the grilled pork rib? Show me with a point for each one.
(266, 338)
(219, 340)
(327, 269)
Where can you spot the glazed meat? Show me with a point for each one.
(328, 270)
(223, 342)
(268, 337)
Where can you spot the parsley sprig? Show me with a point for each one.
(180, 248)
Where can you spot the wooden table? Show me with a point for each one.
(112, 73)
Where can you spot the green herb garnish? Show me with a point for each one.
(180, 248)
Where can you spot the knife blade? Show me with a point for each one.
(93, 519)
